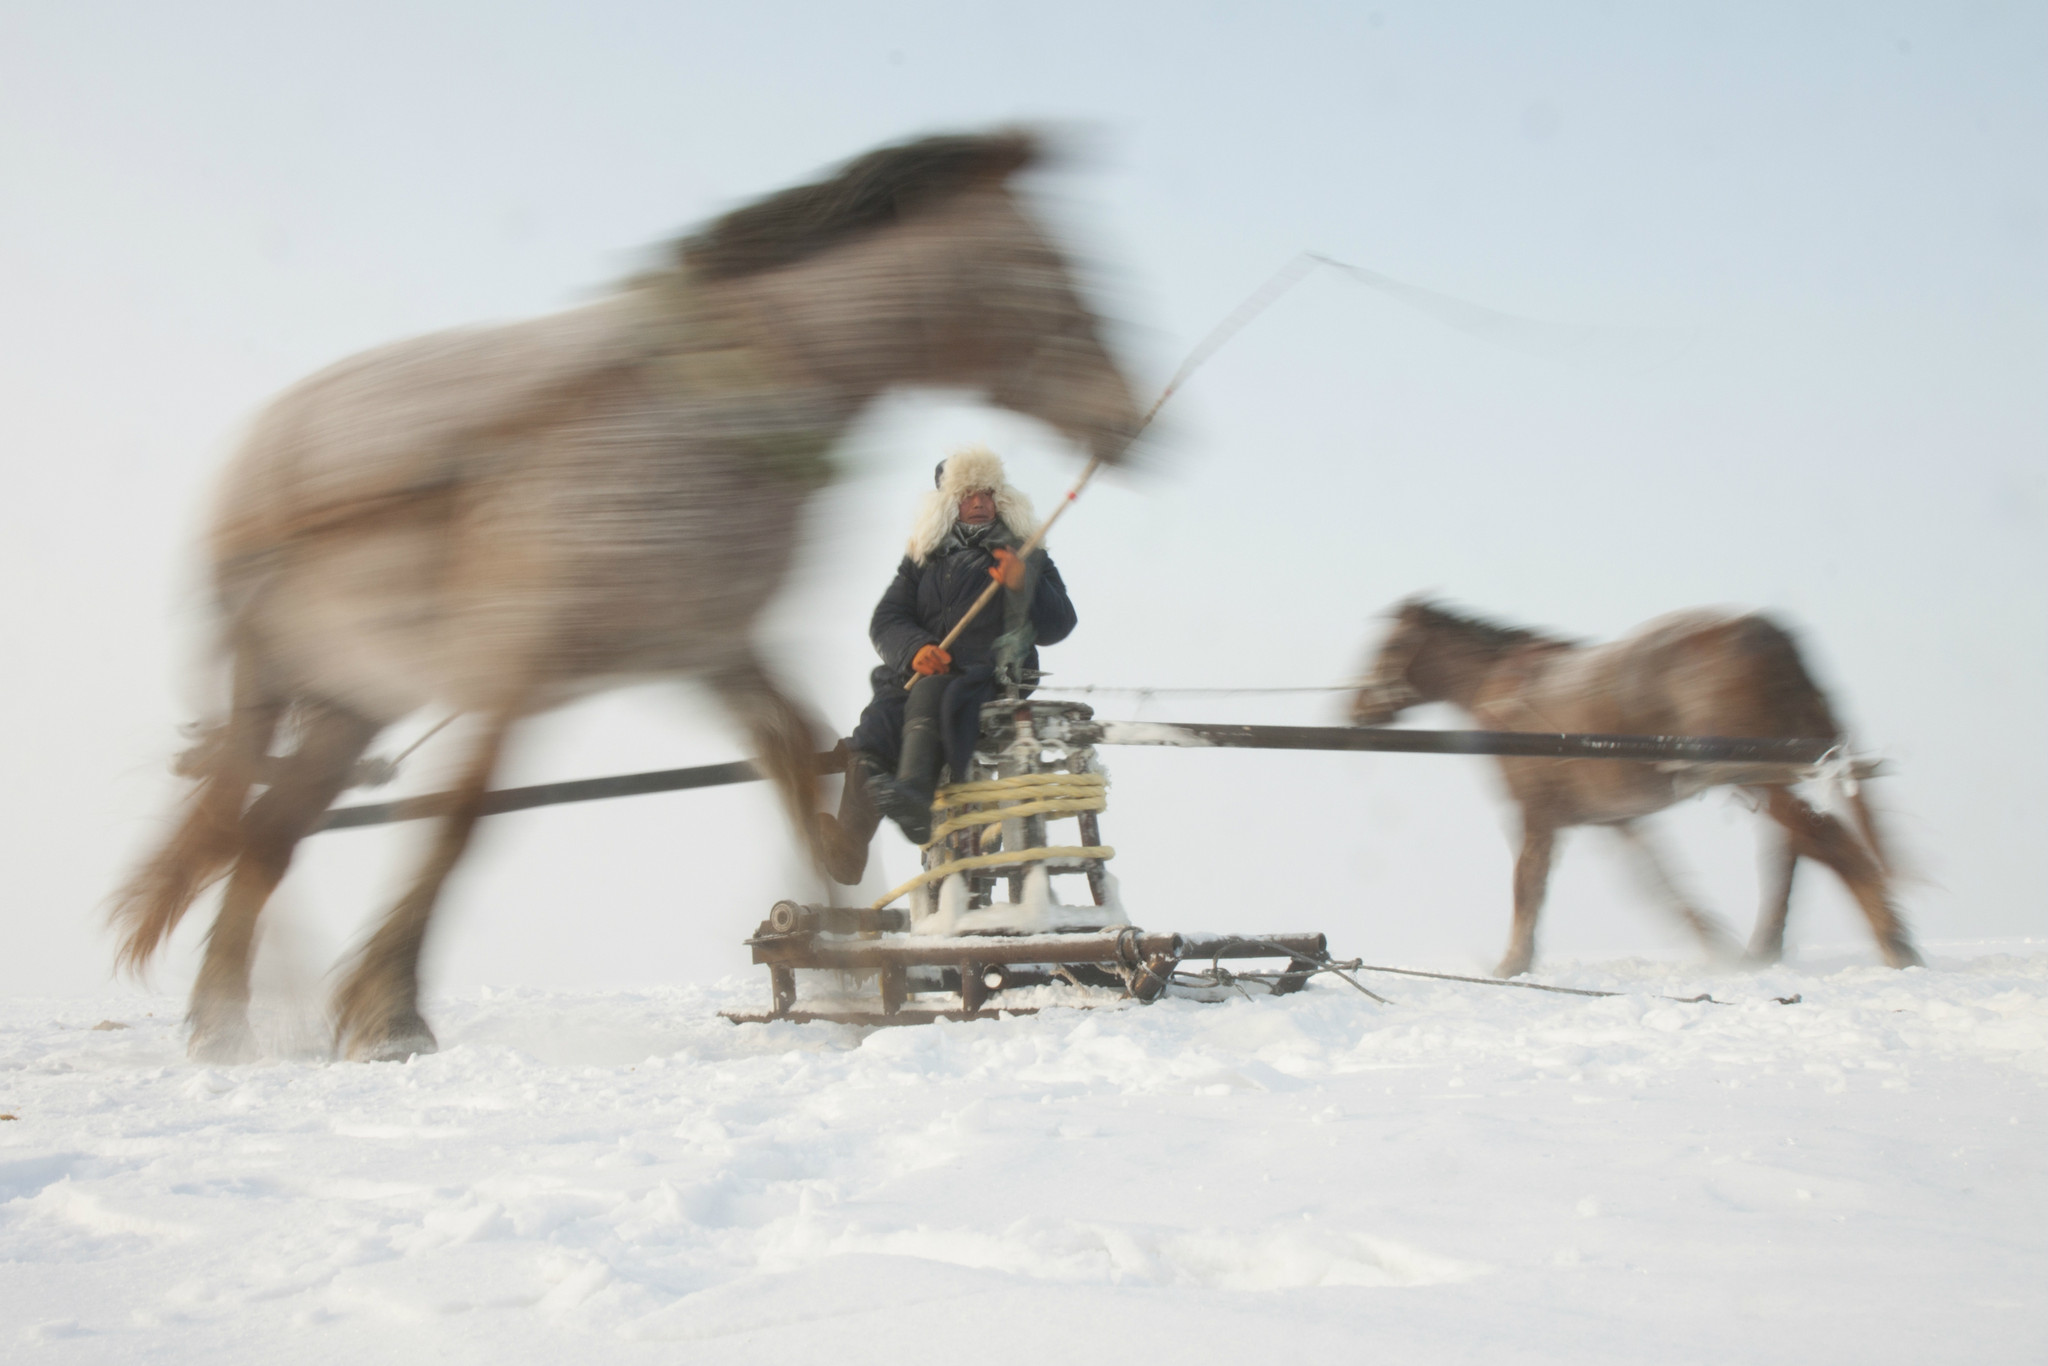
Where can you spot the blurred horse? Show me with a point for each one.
(502, 519)
(1691, 673)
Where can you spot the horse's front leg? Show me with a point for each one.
(785, 741)
(1654, 869)
(1532, 880)
(376, 1011)
(1781, 860)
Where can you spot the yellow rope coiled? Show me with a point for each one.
(1062, 807)
(1000, 789)
(1030, 794)
(945, 870)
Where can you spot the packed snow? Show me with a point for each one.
(1468, 1173)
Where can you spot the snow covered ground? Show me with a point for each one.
(1467, 1174)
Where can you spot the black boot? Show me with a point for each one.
(907, 798)
(845, 838)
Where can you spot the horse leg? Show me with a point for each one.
(227, 762)
(1817, 835)
(785, 741)
(1873, 838)
(376, 1011)
(301, 788)
(1654, 869)
(1532, 879)
(1767, 941)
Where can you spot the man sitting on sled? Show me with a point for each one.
(967, 532)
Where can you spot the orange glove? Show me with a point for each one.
(931, 660)
(1008, 570)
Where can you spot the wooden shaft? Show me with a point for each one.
(554, 794)
(1787, 753)
(1774, 758)
(949, 951)
(1786, 756)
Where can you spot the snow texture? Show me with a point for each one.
(1468, 1174)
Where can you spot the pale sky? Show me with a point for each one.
(1817, 237)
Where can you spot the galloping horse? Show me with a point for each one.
(500, 520)
(1691, 673)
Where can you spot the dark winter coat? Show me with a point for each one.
(925, 600)
(922, 603)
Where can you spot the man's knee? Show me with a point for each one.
(880, 731)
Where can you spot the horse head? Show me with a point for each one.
(1434, 654)
(920, 264)
(1386, 690)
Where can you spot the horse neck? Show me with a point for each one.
(969, 295)
(852, 318)
(1454, 666)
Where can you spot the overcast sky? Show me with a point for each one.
(1814, 240)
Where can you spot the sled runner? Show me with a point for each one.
(983, 919)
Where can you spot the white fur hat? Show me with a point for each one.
(975, 467)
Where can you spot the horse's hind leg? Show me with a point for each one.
(1532, 881)
(785, 741)
(1655, 871)
(1818, 835)
(301, 787)
(376, 1011)
(1873, 838)
(1781, 860)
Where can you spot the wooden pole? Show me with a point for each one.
(1788, 756)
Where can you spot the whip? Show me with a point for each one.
(1254, 304)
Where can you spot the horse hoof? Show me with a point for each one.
(226, 1046)
(399, 1043)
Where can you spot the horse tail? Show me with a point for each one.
(224, 763)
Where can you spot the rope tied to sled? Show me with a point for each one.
(1033, 794)
(965, 806)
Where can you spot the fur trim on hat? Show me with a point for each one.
(975, 467)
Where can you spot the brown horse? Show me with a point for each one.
(1691, 673)
(500, 520)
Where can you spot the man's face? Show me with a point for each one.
(978, 508)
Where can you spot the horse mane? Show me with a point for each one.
(1491, 634)
(872, 191)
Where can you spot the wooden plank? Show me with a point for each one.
(907, 1016)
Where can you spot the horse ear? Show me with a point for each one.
(1414, 605)
(1008, 151)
